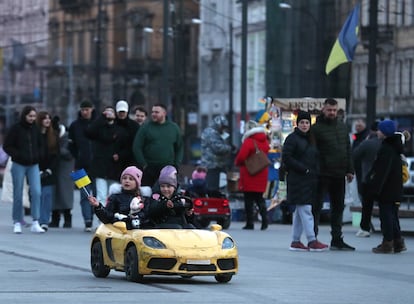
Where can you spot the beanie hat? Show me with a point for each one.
(168, 175)
(387, 127)
(122, 106)
(199, 173)
(86, 104)
(262, 117)
(135, 173)
(303, 115)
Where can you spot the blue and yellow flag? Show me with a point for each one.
(80, 178)
(344, 47)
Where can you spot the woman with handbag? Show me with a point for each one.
(253, 183)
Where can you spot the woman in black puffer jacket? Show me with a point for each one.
(300, 158)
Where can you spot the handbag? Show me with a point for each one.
(257, 161)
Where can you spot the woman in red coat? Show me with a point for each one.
(253, 186)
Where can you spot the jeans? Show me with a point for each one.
(86, 208)
(46, 202)
(335, 187)
(102, 187)
(367, 205)
(303, 221)
(19, 172)
(390, 223)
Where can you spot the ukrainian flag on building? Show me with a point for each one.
(344, 47)
(80, 178)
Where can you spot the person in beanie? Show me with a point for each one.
(300, 157)
(198, 186)
(167, 208)
(386, 187)
(118, 206)
(331, 137)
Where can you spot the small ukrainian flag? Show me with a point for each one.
(80, 178)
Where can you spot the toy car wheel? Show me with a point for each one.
(225, 224)
(131, 265)
(186, 276)
(99, 269)
(223, 278)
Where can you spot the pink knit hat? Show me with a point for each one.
(135, 173)
(199, 173)
(168, 175)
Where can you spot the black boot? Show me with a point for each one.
(55, 219)
(68, 218)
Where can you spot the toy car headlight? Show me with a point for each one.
(153, 242)
(227, 243)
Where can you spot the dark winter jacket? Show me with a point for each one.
(300, 159)
(107, 140)
(359, 138)
(159, 213)
(247, 182)
(23, 143)
(364, 156)
(80, 146)
(119, 203)
(332, 141)
(126, 154)
(48, 163)
(385, 178)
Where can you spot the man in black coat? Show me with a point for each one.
(80, 146)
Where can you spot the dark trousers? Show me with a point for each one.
(335, 187)
(390, 223)
(367, 205)
(249, 199)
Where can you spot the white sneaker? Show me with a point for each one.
(362, 233)
(17, 228)
(36, 227)
(45, 227)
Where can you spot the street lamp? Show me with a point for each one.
(305, 11)
(230, 67)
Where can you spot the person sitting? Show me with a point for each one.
(166, 207)
(198, 186)
(124, 204)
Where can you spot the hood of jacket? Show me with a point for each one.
(259, 133)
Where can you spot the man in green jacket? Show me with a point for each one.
(158, 143)
(332, 140)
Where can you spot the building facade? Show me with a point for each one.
(394, 64)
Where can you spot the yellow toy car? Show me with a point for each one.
(183, 252)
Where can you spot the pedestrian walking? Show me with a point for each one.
(253, 186)
(22, 144)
